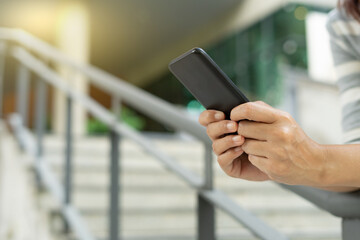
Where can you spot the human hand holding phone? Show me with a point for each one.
(227, 146)
(274, 147)
(214, 90)
(270, 145)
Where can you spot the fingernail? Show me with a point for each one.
(218, 116)
(238, 149)
(230, 126)
(237, 139)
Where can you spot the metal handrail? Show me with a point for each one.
(344, 205)
(135, 97)
(208, 197)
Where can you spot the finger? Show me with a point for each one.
(250, 172)
(255, 147)
(255, 112)
(240, 167)
(223, 144)
(226, 159)
(218, 129)
(260, 162)
(262, 103)
(210, 116)
(254, 130)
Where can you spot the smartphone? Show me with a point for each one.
(206, 81)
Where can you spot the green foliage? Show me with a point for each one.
(94, 126)
(131, 118)
(128, 116)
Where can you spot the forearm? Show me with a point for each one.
(342, 168)
(340, 189)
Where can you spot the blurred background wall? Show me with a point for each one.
(135, 40)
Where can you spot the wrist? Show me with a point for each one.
(330, 168)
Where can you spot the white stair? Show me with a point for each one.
(155, 204)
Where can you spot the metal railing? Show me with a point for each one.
(24, 47)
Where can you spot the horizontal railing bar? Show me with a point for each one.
(171, 164)
(148, 104)
(22, 134)
(75, 220)
(339, 204)
(105, 116)
(251, 222)
(49, 179)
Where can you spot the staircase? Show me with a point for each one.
(157, 205)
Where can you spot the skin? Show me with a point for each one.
(261, 143)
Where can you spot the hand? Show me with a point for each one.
(231, 157)
(278, 146)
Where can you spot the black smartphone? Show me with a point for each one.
(206, 81)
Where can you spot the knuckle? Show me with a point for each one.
(221, 159)
(203, 118)
(207, 114)
(215, 147)
(228, 140)
(234, 112)
(241, 127)
(223, 125)
(284, 133)
(285, 116)
(261, 102)
(210, 131)
(251, 157)
(248, 108)
(245, 146)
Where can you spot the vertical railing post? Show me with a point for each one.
(116, 106)
(23, 80)
(40, 120)
(293, 95)
(350, 228)
(114, 211)
(206, 211)
(208, 158)
(68, 157)
(2, 76)
(114, 187)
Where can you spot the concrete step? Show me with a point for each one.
(158, 205)
(177, 223)
(167, 202)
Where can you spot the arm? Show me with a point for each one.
(278, 147)
(347, 68)
(346, 178)
(345, 171)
